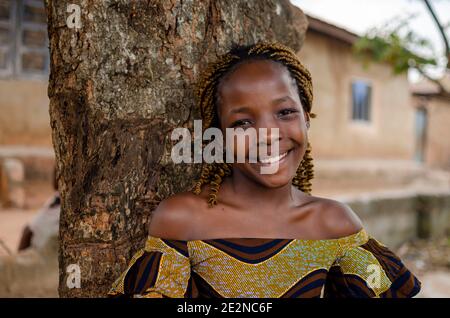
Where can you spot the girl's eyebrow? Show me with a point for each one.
(245, 109)
(281, 99)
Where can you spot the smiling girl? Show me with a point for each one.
(241, 233)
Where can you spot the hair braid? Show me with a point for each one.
(207, 95)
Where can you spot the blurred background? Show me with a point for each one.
(380, 141)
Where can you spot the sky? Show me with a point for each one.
(358, 16)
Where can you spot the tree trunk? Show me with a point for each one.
(118, 86)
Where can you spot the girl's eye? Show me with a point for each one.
(288, 111)
(240, 123)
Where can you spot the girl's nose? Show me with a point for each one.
(268, 131)
(268, 136)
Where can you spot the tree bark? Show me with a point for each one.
(118, 86)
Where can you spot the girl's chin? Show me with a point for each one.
(274, 181)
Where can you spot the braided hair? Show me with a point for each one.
(208, 98)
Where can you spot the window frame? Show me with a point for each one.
(366, 116)
(17, 49)
(10, 47)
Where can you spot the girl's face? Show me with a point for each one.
(262, 94)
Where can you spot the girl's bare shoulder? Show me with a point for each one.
(336, 218)
(339, 218)
(175, 217)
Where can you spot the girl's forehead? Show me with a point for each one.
(253, 68)
(256, 75)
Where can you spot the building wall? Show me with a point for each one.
(437, 151)
(423, 214)
(24, 115)
(24, 68)
(437, 145)
(390, 133)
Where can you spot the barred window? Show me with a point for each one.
(23, 39)
(361, 100)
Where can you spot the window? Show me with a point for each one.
(361, 100)
(23, 39)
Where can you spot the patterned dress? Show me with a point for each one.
(352, 266)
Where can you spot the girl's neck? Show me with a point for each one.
(256, 195)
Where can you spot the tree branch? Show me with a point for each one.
(441, 30)
(442, 90)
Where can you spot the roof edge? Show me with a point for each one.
(320, 26)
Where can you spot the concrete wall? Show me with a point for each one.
(31, 273)
(333, 134)
(437, 145)
(396, 217)
(24, 116)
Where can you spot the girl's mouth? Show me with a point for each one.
(273, 160)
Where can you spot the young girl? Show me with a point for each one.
(242, 233)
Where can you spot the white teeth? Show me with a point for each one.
(274, 159)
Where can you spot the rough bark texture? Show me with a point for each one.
(118, 86)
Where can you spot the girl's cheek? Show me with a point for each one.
(297, 130)
(240, 145)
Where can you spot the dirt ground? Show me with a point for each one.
(429, 260)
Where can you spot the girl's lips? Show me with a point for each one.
(268, 160)
(277, 160)
(272, 160)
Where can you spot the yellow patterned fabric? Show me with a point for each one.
(161, 271)
(352, 266)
